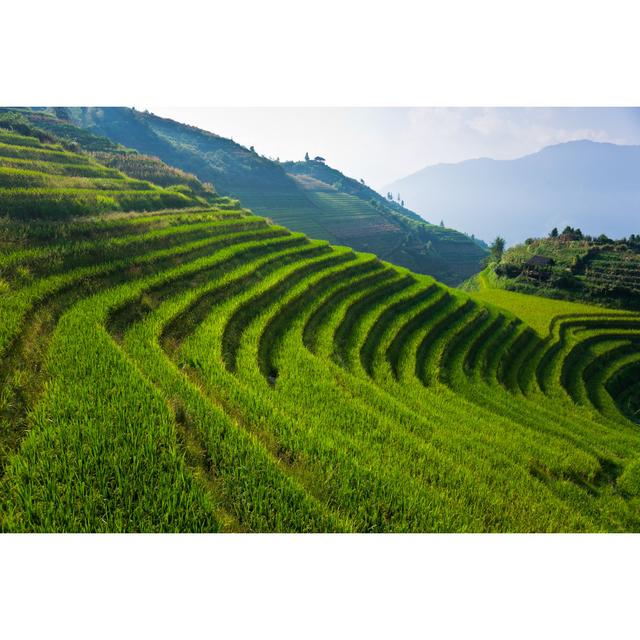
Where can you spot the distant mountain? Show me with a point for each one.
(334, 207)
(591, 185)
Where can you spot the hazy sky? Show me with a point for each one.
(383, 144)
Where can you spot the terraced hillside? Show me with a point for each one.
(614, 272)
(351, 214)
(577, 267)
(208, 371)
(42, 179)
(50, 129)
(265, 186)
(321, 171)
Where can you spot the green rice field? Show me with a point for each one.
(40, 179)
(206, 370)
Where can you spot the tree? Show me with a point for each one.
(442, 223)
(252, 149)
(554, 232)
(402, 203)
(398, 198)
(497, 249)
(306, 157)
(361, 180)
(389, 195)
(571, 233)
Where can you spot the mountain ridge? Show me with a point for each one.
(576, 183)
(263, 185)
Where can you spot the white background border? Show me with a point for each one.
(320, 586)
(285, 53)
(330, 53)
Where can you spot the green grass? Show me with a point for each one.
(375, 227)
(537, 312)
(598, 271)
(356, 216)
(45, 180)
(205, 370)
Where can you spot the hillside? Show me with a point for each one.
(266, 187)
(105, 151)
(210, 371)
(42, 177)
(324, 173)
(573, 266)
(584, 184)
(354, 214)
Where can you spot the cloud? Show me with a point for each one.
(597, 135)
(456, 134)
(488, 123)
(385, 144)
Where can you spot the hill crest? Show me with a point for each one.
(265, 186)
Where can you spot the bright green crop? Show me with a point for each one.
(208, 371)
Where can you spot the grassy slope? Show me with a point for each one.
(538, 312)
(265, 187)
(205, 370)
(603, 272)
(46, 181)
(330, 176)
(209, 371)
(260, 183)
(383, 227)
(50, 169)
(106, 152)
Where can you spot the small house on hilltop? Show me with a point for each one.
(319, 159)
(539, 261)
(538, 267)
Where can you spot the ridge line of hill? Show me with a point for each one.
(351, 215)
(581, 183)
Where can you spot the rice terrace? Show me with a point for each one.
(173, 362)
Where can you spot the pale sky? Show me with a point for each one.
(382, 144)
